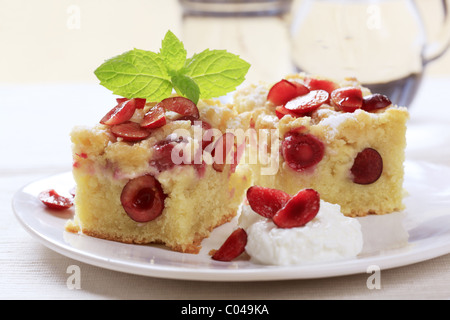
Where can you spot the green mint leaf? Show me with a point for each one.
(153, 76)
(136, 74)
(172, 52)
(186, 87)
(216, 72)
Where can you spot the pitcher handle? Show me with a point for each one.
(438, 47)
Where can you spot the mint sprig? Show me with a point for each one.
(172, 52)
(154, 76)
(216, 72)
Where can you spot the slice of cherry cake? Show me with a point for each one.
(335, 137)
(156, 173)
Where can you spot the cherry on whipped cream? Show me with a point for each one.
(299, 210)
(266, 201)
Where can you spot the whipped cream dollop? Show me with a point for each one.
(330, 236)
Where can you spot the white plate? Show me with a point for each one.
(426, 221)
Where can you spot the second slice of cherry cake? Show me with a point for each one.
(333, 136)
(156, 173)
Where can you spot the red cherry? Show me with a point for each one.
(299, 210)
(181, 105)
(307, 103)
(281, 111)
(82, 155)
(266, 201)
(208, 141)
(375, 101)
(284, 90)
(222, 148)
(200, 169)
(162, 156)
(347, 99)
(120, 113)
(300, 88)
(130, 131)
(194, 121)
(139, 103)
(55, 201)
(301, 151)
(367, 167)
(154, 118)
(299, 130)
(321, 84)
(205, 126)
(233, 246)
(120, 100)
(143, 198)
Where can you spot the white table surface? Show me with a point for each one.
(39, 106)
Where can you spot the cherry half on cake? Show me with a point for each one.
(130, 131)
(296, 99)
(162, 153)
(299, 100)
(321, 84)
(154, 118)
(224, 152)
(375, 101)
(122, 112)
(180, 105)
(367, 167)
(139, 102)
(143, 198)
(301, 151)
(284, 90)
(307, 103)
(120, 121)
(347, 99)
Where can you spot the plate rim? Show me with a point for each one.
(358, 265)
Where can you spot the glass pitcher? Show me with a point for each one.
(382, 43)
(254, 29)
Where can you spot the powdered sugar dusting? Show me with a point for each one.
(334, 119)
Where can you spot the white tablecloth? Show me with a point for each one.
(36, 120)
